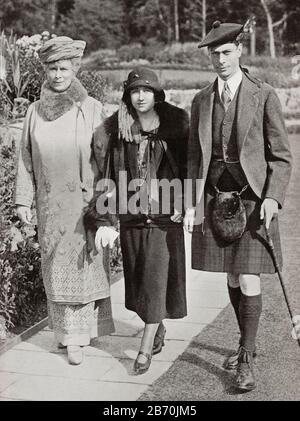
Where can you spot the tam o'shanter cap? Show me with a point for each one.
(61, 48)
(221, 33)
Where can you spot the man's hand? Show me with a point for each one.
(104, 236)
(189, 219)
(268, 210)
(24, 214)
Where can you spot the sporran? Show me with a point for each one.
(229, 215)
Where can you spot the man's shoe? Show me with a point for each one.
(159, 341)
(232, 361)
(75, 354)
(245, 379)
(139, 367)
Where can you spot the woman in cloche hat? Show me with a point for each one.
(147, 139)
(56, 168)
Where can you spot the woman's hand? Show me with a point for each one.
(268, 210)
(105, 236)
(189, 219)
(24, 214)
(177, 217)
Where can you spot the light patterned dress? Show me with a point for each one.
(56, 168)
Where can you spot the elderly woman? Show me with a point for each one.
(146, 141)
(57, 169)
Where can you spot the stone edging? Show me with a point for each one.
(24, 335)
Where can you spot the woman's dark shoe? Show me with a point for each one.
(139, 367)
(159, 339)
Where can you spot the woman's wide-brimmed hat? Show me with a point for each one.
(143, 76)
(61, 48)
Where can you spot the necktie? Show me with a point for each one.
(225, 96)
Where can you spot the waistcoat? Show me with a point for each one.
(224, 142)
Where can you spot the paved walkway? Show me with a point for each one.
(36, 370)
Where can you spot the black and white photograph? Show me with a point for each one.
(149, 203)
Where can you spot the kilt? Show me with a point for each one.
(248, 255)
(154, 271)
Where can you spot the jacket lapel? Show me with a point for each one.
(248, 102)
(205, 123)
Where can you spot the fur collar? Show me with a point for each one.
(54, 104)
(174, 123)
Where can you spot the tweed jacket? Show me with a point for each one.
(262, 141)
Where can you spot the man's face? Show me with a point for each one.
(226, 59)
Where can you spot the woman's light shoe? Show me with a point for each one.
(75, 354)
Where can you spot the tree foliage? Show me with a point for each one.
(110, 23)
(101, 23)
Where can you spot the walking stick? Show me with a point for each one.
(294, 319)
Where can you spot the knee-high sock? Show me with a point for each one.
(235, 296)
(249, 313)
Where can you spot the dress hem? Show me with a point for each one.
(64, 300)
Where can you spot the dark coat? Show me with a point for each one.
(173, 129)
(262, 140)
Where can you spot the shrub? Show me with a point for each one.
(185, 84)
(130, 52)
(23, 73)
(279, 64)
(21, 287)
(184, 54)
(94, 83)
(100, 58)
(277, 72)
(153, 52)
(293, 129)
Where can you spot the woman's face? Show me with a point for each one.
(142, 99)
(60, 74)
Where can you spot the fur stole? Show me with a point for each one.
(174, 124)
(54, 104)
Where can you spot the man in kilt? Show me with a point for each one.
(238, 142)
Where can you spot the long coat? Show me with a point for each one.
(152, 248)
(262, 141)
(57, 166)
(173, 130)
